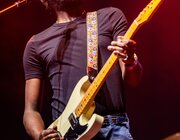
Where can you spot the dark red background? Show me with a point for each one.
(153, 107)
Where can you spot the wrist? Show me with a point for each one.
(133, 62)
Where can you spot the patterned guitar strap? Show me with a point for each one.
(92, 45)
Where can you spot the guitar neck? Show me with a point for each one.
(101, 77)
(93, 89)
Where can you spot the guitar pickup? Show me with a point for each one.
(73, 121)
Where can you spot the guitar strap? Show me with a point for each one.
(92, 45)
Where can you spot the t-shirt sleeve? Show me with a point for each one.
(31, 61)
(118, 22)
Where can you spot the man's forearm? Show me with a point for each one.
(133, 74)
(33, 124)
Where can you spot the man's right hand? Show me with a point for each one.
(50, 134)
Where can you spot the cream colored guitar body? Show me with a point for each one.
(89, 123)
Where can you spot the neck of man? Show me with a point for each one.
(68, 16)
(63, 17)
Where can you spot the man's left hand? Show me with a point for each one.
(124, 49)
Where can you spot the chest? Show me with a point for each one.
(71, 49)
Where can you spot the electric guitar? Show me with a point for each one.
(78, 120)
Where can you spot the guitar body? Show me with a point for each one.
(84, 127)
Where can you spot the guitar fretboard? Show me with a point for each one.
(88, 98)
(93, 89)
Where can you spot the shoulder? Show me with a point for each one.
(110, 11)
(35, 39)
(43, 34)
(112, 19)
(111, 15)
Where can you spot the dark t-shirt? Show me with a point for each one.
(66, 64)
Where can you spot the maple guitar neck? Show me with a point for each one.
(101, 77)
(93, 89)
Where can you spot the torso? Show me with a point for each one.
(66, 70)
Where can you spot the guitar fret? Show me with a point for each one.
(133, 27)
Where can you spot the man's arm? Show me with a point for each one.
(32, 119)
(128, 60)
(131, 73)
